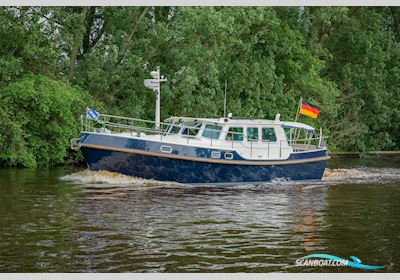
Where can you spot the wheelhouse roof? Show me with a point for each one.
(240, 121)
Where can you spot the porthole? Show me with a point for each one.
(228, 156)
(166, 149)
(215, 154)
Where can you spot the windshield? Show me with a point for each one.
(174, 128)
(191, 128)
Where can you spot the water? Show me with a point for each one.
(75, 220)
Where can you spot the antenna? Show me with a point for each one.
(154, 84)
(226, 87)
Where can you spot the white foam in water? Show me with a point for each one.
(332, 177)
(363, 175)
(109, 178)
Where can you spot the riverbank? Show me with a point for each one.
(379, 154)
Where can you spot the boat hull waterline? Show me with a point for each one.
(193, 165)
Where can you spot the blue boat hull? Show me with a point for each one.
(200, 170)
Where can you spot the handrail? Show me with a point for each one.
(126, 126)
(132, 127)
(130, 119)
(183, 126)
(162, 131)
(162, 123)
(301, 144)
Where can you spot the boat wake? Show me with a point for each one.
(361, 175)
(89, 177)
(340, 176)
(343, 176)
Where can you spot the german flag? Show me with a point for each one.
(309, 109)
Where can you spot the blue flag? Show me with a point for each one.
(91, 113)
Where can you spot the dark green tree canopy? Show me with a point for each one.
(344, 59)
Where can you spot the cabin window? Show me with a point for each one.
(174, 128)
(191, 128)
(235, 134)
(212, 131)
(268, 134)
(228, 156)
(252, 133)
(166, 149)
(215, 154)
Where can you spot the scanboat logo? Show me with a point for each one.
(329, 260)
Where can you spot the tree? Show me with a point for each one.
(40, 116)
(344, 59)
(363, 64)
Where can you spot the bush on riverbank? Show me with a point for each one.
(344, 59)
(39, 115)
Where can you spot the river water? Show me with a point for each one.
(75, 220)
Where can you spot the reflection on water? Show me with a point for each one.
(68, 220)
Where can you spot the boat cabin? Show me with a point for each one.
(252, 138)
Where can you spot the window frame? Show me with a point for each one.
(228, 155)
(213, 130)
(174, 125)
(262, 134)
(258, 133)
(229, 132)
(195, 127)
(216, 154)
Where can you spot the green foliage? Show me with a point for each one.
(364, 65)
(344, 59)
(39, 117)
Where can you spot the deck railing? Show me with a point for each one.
(135, 127)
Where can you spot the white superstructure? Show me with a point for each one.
(250, 138)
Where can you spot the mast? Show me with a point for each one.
(154, 84)
(226, 86)
(298, 109)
